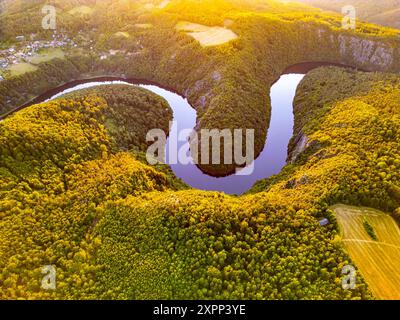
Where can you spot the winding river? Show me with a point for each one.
(271, 160)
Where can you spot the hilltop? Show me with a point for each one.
(386, 13)
(116, 227)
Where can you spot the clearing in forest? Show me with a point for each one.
(21, 68)
(81, 11)
(372, 239)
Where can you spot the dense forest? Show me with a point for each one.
(350, 117)
(118, 228)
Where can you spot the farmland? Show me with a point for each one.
(378, 260)
(207, 36)
(81, 11)
(47, 55)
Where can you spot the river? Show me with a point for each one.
(271, 160)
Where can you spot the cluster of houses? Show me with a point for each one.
(25, 49)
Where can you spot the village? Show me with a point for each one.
(26, 49)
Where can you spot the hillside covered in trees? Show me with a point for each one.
(117, 228)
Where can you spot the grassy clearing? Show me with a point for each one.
(378, 260)
(21, 68)
(47, 55)
(207, 36)
(388, 18)
(163, 4)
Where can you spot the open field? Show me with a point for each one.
(121, 34)
(21, 68)
(385, 12)
(378, 261)
(47, 55)
(207, 36)
(389, 18)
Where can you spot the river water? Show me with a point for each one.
(271, 160)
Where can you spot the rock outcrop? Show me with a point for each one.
(366, 52)
(300, 145)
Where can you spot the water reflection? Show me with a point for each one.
(271, 160)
